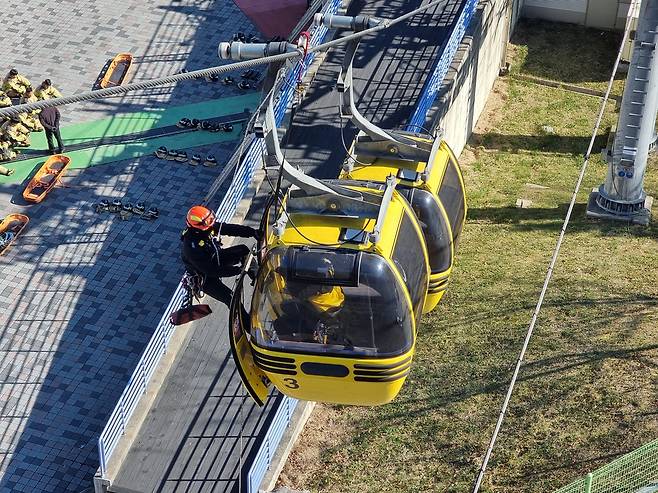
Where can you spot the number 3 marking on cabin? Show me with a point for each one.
(291, 383)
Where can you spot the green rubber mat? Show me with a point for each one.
(130, 123)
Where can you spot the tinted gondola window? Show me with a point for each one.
(339, 302)
(408, 257)
(434, 226)
(452, 198)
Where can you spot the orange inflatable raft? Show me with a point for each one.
(10, 227)
(46, 178)
(117, 71)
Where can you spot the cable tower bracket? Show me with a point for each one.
(372, 142)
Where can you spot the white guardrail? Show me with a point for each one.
(157, 346)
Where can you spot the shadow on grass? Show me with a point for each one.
(553, 144)
(551, 219)
(555, 51)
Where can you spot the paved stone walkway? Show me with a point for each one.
(70, 41)
(81, 293)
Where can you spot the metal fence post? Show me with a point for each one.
(143, 372)
(101, 454)
(123, 417)
(588, 483)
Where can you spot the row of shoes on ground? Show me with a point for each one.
(228, 80)
(243, 84)
(208, 78)
(182, 157)
(246, 38)
(139, 209)
(204, 125)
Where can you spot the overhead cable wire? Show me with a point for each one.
(138, 86)
(196, 74)
(549, 273)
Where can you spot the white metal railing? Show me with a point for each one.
(157, 346)
(263, 458)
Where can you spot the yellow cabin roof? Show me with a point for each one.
(326, 229)
(383, 167)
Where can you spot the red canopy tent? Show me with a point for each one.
(273, 17)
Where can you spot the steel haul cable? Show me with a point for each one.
(196, 74)
(549, 273)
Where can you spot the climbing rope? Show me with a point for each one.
(549, 273)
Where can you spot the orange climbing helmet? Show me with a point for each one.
(200, 217)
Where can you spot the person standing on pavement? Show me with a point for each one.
(49, 118)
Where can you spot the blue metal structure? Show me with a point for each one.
(447, 51)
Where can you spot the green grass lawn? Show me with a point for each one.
(587, 391)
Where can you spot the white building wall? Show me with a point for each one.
(601, 14)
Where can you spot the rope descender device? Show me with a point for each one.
(303, 43)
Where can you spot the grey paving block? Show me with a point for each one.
(81, 293)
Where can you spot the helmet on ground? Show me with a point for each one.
(200, 217)
(184, 123)
(161, 152)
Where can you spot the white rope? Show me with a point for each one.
(549, 274)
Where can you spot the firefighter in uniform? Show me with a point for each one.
(47, 91)
(14, 131)
(202, 251)
(14, 84)
(5, 101)
(7, 152)
(31, 118)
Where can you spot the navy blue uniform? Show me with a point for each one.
(202, 254)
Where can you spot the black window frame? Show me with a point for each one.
(451, 194)
(436, 232)
(414, 273)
